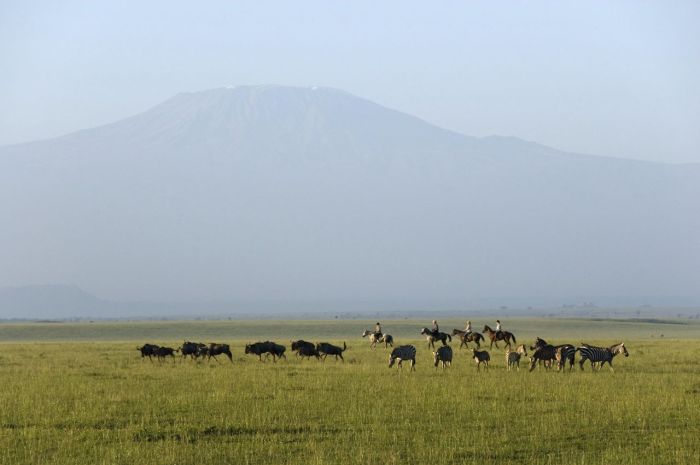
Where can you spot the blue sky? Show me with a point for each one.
(609, 78)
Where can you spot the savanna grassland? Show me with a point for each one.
(81, 394)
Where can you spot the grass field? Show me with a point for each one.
(80, 394)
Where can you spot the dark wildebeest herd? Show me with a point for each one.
(543, 354)
(201, 351)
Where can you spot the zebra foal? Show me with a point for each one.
(513, 356)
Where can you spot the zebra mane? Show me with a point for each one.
(615, 348)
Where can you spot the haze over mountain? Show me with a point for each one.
(289, 195)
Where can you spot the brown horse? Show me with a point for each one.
(465, 337)
(495, 336)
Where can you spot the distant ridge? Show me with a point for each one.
(288, 194)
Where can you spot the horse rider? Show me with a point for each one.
(499, 330)
(468, 327)
(378, 330)
(436, 328)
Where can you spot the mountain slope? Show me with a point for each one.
(292, 194)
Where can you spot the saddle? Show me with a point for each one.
(499, 334)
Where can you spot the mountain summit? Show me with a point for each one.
(284, 194)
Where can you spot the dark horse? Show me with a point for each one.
(466, 337)
(495, 336)
(432, 337)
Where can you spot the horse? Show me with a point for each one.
(432, 337)
(495, 336)
(375, 338)
(466, 337)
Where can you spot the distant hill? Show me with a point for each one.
(51, 301)
(284, 194)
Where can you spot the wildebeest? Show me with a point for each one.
(443, 354)
(374, 338)
(481, 356)
(547, 353)
(162, 352)
(305, 349)
(402, 353)
(513, 358)
(148, 350)
(218, 349)
(277, 350)
(190, 348)
(257, 348)
(496, 336)
(267, 347)
(466, 337)
(431, 337)
(326, 349)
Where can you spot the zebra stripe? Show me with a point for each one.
(601, 355)
(402, 353)
(564, 353)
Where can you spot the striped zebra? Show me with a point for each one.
(565, 353)
(402, 353)
(513, 357)
(601, 355)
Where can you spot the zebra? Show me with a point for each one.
(402, 353)
(443, 354)
(601, 355)
(481, 356)
(513, 357)
(565, 353)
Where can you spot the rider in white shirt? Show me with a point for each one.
(468, 327)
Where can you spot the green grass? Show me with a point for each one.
(97, 402)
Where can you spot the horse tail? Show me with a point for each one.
(449, 338)
(513, 336)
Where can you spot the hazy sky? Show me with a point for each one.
(610, 78)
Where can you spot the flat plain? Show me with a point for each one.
(80, 393)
